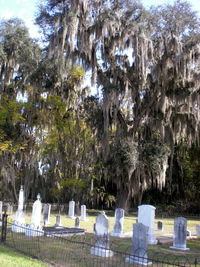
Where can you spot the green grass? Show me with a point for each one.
(10, 258)
(128, 221)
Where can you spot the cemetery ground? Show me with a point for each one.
(10, 258)
(160, 252)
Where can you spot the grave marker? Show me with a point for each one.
(139, 245)
(180, 233)
(146, 216)
(58, 221)
(101, 247)
(71, 210)
(46, 213)
(119, 223)
(83, 213)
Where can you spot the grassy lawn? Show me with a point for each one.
(10, 258)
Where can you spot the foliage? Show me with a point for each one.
(112, 147)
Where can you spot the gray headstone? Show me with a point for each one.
(58, 221)
(83, 213)
(160, 226)
(71, 210)
(77, 222)
(119, 223)
(180, 233)
(146, 216)
(198, 229)
(46, 213)
(101, 247)
(139, 245)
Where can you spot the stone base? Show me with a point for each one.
(102, 252)
(18, 228)
(32, 231)
(179, 248)
(63, 231)
(121, 235)
(138, 260)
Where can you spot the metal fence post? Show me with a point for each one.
(4, 227)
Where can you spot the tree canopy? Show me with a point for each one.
(119, 144)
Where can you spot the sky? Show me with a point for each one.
(26, 10)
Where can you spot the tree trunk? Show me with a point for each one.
(123, 198)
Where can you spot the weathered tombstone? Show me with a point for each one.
(139, 245)
(119, 223)
(35, 229)
(77, 222)
(146, 216)
(46, 213)
(101, 247)
(83, 213)
(198, 229)
(160, 226)
(58, 221)
(19, 222)
(71, 210)
(180, 233)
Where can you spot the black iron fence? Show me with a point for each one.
(81, 250)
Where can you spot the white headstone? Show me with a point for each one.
(101, 247)
(83, 213)
(139, 245)
(19, 222)
(35, 229)
(180, 234)
(71, 210)
(21, 199)
(146, 216)
(198, 229)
